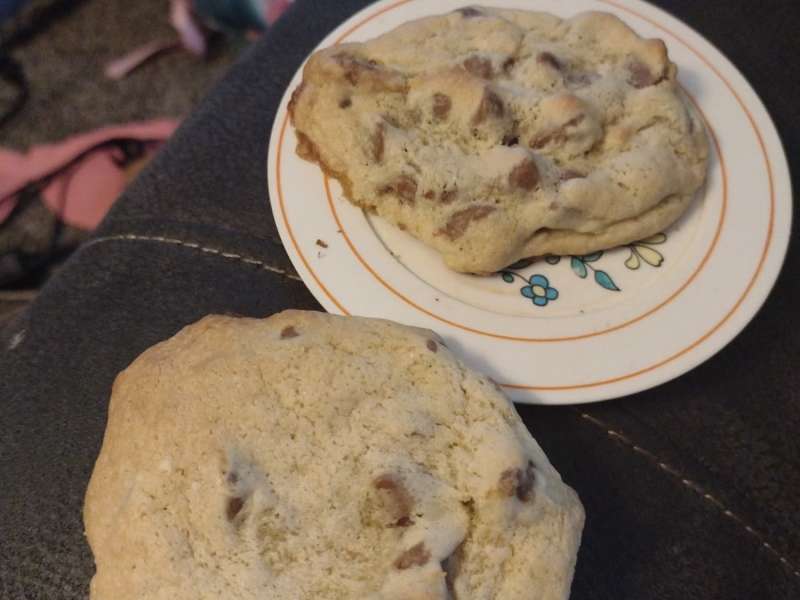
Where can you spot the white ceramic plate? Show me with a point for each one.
(585, 328)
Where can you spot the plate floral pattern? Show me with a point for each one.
(539, 291)
(556, 316)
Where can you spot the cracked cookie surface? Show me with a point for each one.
(494, 135)
(315, 456)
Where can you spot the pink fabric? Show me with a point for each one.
(6, 206)
(191, 36)
(120, 67)
(275, 8)
(82, 195)
(190, 32)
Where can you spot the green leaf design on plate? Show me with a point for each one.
(579, 267)
(592, 257)
(633, 261)
(508, 277)
(652, 257)
(604, 280)
(552, 260)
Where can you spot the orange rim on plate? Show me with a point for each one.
(697, 342)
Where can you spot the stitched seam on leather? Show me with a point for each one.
(696, 488)
(195, 246)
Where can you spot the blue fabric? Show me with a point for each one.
(238, 15)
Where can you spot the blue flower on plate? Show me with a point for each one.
(539, 290)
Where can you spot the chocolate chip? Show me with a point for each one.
(385, 482)
(525, 175)
(460, 220)
(491, 106)
(541, 141)
(508, 64)
(526, 481)
(441, 105)
(351, 73)
(234, 507)
(430, 194)
(353, 67)
(508, 482)
(549, 59)
(406, 188)
(400, 500)
(510, 140)
(518, 482)
(480, 67)
(378, 142)
(391, 483)
(345, 103)
(447, 196)
(640, 76)
(469, 12)
(358, 71)
(432, 346)
(289, 332)
(469, 506)
(321, 244)
(403, 522)
(416, 556)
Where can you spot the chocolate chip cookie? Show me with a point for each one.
(494, 135)
(314, 456)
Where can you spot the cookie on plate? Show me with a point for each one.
(314, 456)
(494, 135)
